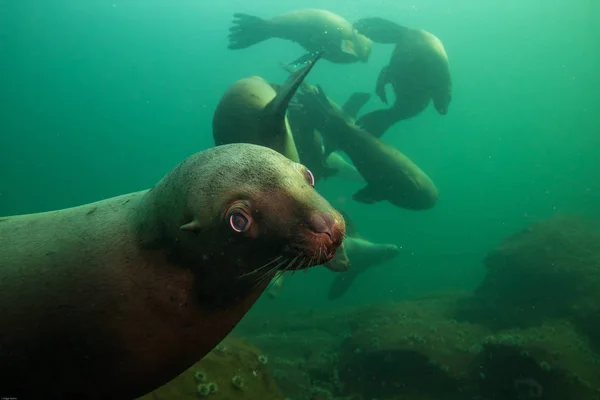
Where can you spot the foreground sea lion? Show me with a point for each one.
(313, 29)
(418, 72)
(112, 299)
(389, 174)
(251, 111)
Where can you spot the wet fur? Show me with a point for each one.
(113, 299)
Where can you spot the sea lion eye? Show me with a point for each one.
(239, 221)
(310, 178)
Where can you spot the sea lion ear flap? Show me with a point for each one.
(193, 226)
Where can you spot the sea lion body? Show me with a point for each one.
(251, 111)
(390, 175)
(344, 170)
(418, 72)
(241, 106)
(115, 298)
(313, 29)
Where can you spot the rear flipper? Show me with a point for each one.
(247, 30)
(381, 30)
(341, 284)
(378, 122)
(273, 118)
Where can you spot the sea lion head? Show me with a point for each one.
(340, 262)
(249, 212)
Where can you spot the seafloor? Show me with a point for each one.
(530, 330)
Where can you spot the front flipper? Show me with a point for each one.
(366, 195)
(378, 122)
(381, 30)
(301, 61)
(274, 113)
(355, 102)
(341, 284)
(382, 80)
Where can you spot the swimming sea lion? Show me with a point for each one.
(308, 140)
(112, 299)
(389, 174)
(418, 72)
(315, 30)
(310, 144)
(363, 255)
(343, 169)
(251, 111)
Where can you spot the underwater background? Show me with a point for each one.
(100, 98)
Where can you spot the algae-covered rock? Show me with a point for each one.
(548, 362)
(235, 369)
(411, 350)
(546, 270)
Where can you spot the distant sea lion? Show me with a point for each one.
(313, 29)
(308, 140)
(339, 263)
(389, 174)
(418, 72)
(251, 111)
(112, 299)
(310, 144)
(363, 255)
(343, 169)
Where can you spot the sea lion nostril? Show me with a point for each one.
(322, 223)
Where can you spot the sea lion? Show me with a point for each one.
(418, 72)
(251, 111)
(363, 255)
(115, 298)
(313, 29)
(389, 174)
(343, 169)
(309, 141)
(253, 104)
(310, 144)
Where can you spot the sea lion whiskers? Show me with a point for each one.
(261, 268)
(269, 274)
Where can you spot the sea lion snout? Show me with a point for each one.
(322, 223)
(329, 230)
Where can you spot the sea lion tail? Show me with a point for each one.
(377, 122)
(247, 30)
